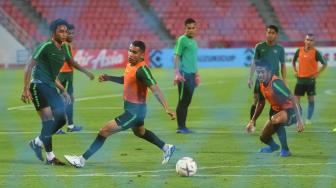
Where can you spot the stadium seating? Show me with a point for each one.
(114, 23)
(20, 19)
(297, 18)
(217, 20)
(96, 25)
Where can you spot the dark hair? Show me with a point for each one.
(310, 35)
(275, 28)
(71, 27)
(54, 24)
(140, 44)
(263, 63)
(189, 21)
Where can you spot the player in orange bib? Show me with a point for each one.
(307, 72)
(137, 79)
(284, 109)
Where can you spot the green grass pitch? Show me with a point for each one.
(225, 154)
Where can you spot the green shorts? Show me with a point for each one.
(133, 116)
(290, 114)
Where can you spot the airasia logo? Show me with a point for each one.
(98, 59)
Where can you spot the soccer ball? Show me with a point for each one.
(186, 166)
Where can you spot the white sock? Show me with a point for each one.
(38, 141)
(165, 147)
(82, 159)
(71, 126)
(50, 155)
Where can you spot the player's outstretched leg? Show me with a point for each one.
(148, 135)
(79, 161)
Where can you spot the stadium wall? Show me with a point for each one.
(231, 57)
(12, 53)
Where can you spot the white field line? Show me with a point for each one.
(158, 131)
(31, 108)
(153, 173)
(108, 96)
(330, 92)
(270, 175)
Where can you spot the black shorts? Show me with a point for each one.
(45, 96)
(290, 114)
(301, 89)
(66, 79)
(133, 116)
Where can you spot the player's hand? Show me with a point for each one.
(178, 78)
(250, 127)
(299, 126)
(90, 75)
(295, 74)
(315, 75)
(197, 79)
(250, 83)
(26, 96)
(103, 78)
(66, 98)
(171, 114)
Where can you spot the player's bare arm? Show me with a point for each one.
(324, 66)
(177, 77)
(283, 72)
(66, 97)
(116, 79)
(257, 112)
(26, 95)
(250, 78)
(299, 124)
(80, 68)
(159, 96)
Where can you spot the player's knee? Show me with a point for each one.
(104, 132)
(274, 120)
(138, 133)
(60, 117)
(263, 138)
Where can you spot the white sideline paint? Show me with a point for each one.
(161, 132)
(270, 175)
(330, 92)
(31, 108)
(106, 96)
(141, 173)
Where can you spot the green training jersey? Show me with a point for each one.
(272, 54)
(145, 76)
(49, 60)
(186, 49)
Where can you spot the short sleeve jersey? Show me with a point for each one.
(49, 60)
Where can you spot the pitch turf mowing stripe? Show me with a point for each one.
(325, 142)
(16, 150)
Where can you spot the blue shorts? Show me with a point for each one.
(133, 116)
(45, 96)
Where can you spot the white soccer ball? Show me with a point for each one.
(186, 166)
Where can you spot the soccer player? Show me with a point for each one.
(43, 68)
(66, 78)
(186, 72)
(284, 109)
(308, 72)
(137, 79)
(274, 54)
